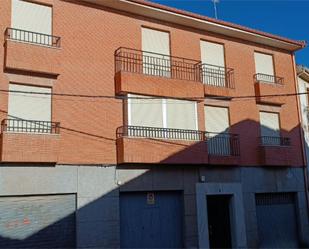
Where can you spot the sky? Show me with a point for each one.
(287, 18)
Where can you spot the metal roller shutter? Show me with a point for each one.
(151, 220)
(276, 220)
(37, 221)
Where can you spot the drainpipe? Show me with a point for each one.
(301, 132)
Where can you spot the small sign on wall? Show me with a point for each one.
(150, 198)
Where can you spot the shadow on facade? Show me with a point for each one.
(98, 220)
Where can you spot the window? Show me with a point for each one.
(217, 125)
(264, 67)
(28, 17)
(270, 128)
(213, 70)
(162, 113)
(31, 17)
(157, 60)
(29, 106)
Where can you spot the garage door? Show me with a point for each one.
(37, 221)
(276, 220)
(151, 220)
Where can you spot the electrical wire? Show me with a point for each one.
(152, 97)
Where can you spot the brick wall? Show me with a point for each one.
(89, 37)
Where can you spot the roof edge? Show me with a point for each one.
(302, 44)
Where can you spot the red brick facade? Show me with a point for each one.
(85, 64)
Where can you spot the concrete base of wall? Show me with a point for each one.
(98, 187)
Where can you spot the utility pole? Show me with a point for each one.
(215, 7)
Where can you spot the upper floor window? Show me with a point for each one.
(29, 112)
(31, 17)
(213, 64)
(217, 127)
(270, 128)
(156, 52)
(264, 67)
(162, 113)
(32, 22)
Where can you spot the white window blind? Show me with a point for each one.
(217, 123)
(181, 114)
(264, 66)
(156, 42)
(270, 126)
(30, 106)
(212, 56)
(216, 119)
(31, 17)
(212, 53)
(162, 113)
(24, 106)
(145, 112)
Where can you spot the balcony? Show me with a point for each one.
(31, 51)
(218, 81)
(148, 73)
(269, 85)
(136, 144)
(275, 151)
(223, 148)
(29, 141)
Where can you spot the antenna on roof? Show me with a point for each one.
(215, 7)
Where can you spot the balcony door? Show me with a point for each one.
(28, 112)
(156, 52)
(264, 67)
(217, 128)
(31, 17)
(213, 64)
(270, 128)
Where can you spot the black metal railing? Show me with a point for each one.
(260, 77)
(161, 133)
(143, 62)
(30, 126)
(223, 144)
(275, 141)
(217, 76)
(32, 37)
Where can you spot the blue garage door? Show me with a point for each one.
(151, 220)
(37, 221)
(276, 217)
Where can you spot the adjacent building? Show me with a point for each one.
(131, 124)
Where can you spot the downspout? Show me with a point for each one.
(301, 132)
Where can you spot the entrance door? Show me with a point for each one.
(219, 225)
(151, 220)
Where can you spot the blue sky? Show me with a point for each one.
(288, 18)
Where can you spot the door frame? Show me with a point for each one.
(237, 212)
